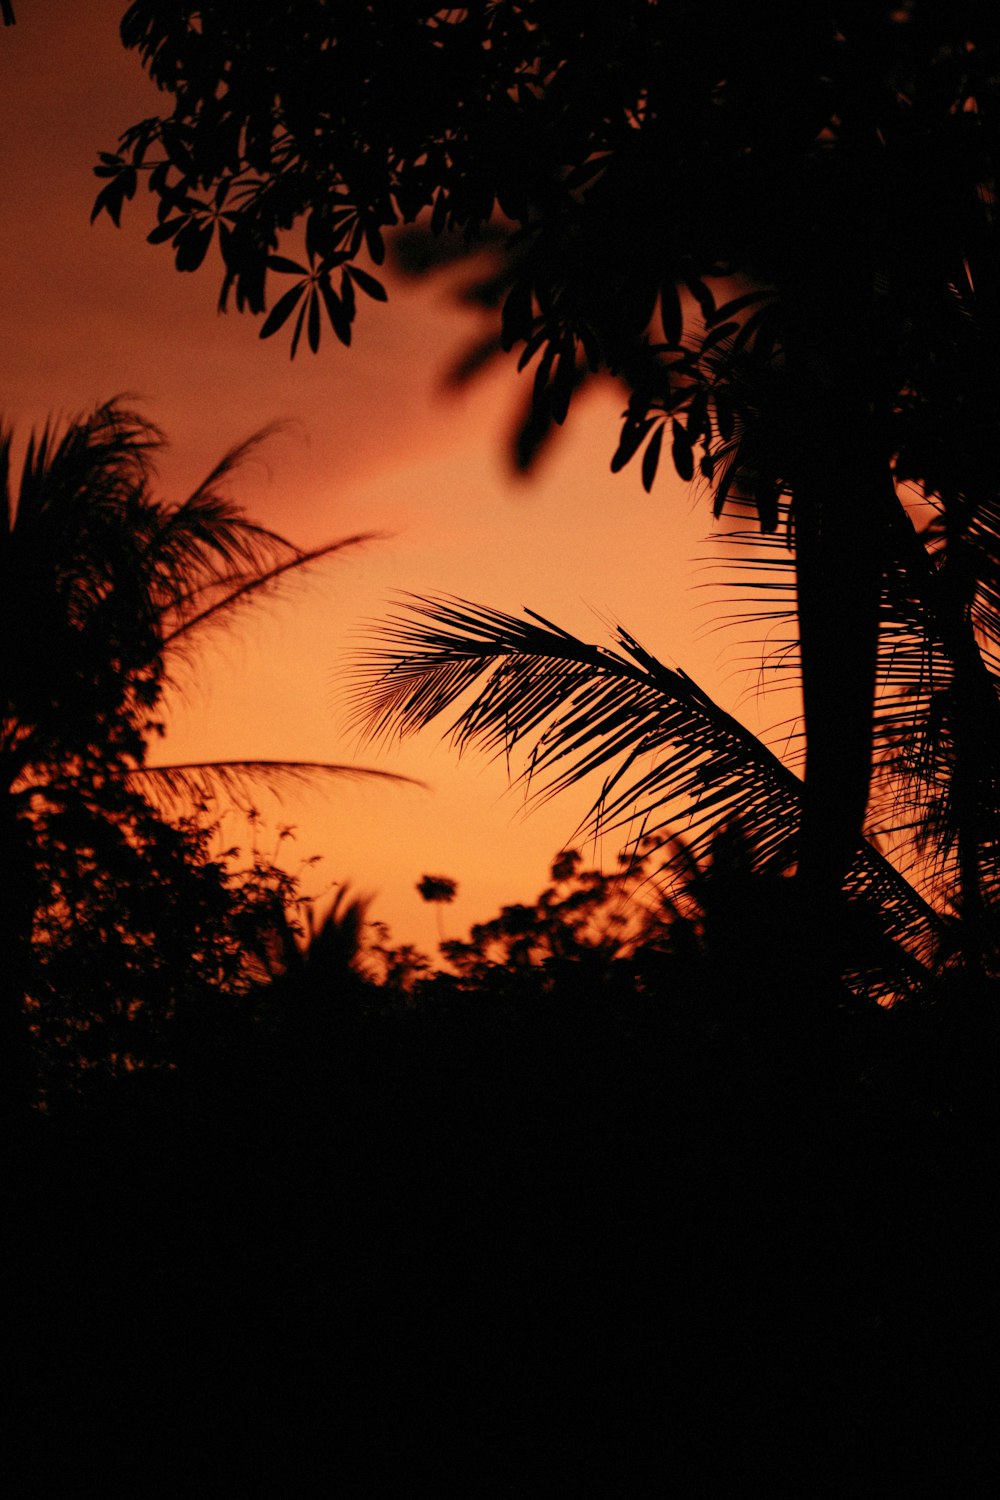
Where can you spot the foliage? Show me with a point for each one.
(147, 954)
(642, 155)
(583, 919)
(669, 756)
(786, 252)
(104, 592)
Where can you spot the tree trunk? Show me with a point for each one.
(840, 480)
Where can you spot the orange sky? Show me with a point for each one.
(372, 444)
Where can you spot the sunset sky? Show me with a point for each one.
(372, 442)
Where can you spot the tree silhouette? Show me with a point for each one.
(580, 925)
(776, 247)
(438, 890)
(104, 593)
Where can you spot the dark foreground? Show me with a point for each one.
(520, 1249)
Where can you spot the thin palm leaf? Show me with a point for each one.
(197, 609)
(181, 785)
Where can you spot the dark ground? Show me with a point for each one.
(488, 1248)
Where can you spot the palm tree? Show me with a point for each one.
(104, 593)
(670, 757)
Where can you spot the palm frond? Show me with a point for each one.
(937, 724)
(192, 612)
(201, 781)
(760, 583)
(671, 758)
(936, 787)
(92, 463)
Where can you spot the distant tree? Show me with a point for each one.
(786, 251)
(583, 917)
(439, 891)
(104, 591)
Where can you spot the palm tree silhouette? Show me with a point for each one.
(898, 621)
(104, 593)
(670, 756)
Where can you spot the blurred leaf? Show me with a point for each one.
(651, 458)
(633, 433)
(683, 454)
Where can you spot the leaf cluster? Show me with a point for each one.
(642, 163)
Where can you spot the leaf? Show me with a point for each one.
(335, 311)
(532, 347)
(282, 310)
(191, 245)
(174, 787)
(702, 295)
(737, 304)
(633, 433)
(683, 454)
(563, 383)
(591, 348)
(516, 319)
(376, 249)
(543, 372)
(109, 200)
(313, 324)
(651, 458)
(347, 296)
(697, 424)
(368, 284)
(299, 321)
(586, 172)
(717, 334)
(165, 231)
(289, 267)
(724, 412)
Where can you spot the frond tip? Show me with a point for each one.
(182, 785)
